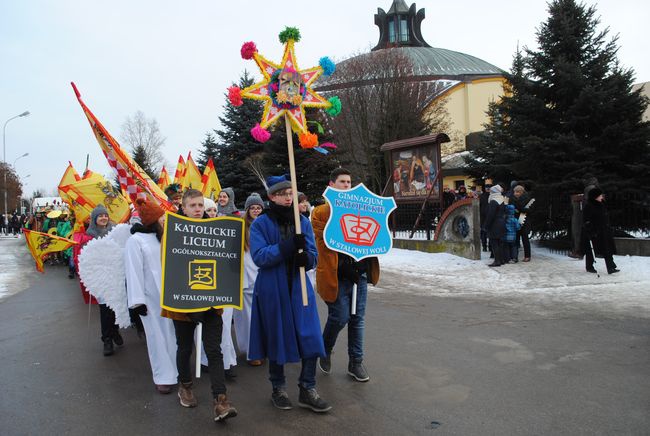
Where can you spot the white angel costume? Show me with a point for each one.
(243, 317)
(143, 274)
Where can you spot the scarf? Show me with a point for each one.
(496, 194)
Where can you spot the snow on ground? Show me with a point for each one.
(550, 282)
(16, 265)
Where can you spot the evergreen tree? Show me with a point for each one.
(209, 150)
(570, 111)
(235, 145)
(312, 167)
(141, 157)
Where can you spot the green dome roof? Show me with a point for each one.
(433, 61)
(427, 63)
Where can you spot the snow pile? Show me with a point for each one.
(548, 280)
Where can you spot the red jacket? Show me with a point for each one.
(82, 239)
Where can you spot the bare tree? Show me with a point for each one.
(381, 103)
(14, 187)
(142, 136)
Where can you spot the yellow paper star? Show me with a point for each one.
(273, 110)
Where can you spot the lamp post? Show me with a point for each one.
(4, 152)
(19, 157)
(20, 201)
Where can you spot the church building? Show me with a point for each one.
(464, 82)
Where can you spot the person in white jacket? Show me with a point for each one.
(254, 207)
(143, 269)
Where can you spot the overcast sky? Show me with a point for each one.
(173, 60)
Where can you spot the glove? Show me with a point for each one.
(287, 248)
(301, 259)
(140, 310)
(299, 241)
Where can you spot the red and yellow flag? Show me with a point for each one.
(179, 175)
(69, 176)
(192, 174)
(96, 190)
(85, 194)
(163, 180)
(41, 244)
(210, 181)
(132, 178)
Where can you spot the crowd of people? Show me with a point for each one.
(273, 327)
(11, 224)
(504, 227)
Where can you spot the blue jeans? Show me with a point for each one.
(307, 377)
(338, 316)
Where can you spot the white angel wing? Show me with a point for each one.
(120, 234)
(101, 269)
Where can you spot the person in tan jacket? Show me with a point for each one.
(336, 274)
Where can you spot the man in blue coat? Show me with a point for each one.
(282, 329)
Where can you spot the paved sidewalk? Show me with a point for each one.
(438, 366)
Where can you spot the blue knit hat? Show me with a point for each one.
(277, 183)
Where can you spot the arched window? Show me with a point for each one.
(403, 29)
(391, 30)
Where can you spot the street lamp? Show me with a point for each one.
(20, 200)
(4, 152)
(19, 157)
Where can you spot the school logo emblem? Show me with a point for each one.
(358, 223)
(203, 274)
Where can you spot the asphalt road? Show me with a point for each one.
(438, 366)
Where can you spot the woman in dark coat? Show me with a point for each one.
(521, 200)
(597, 231)
(495, 224)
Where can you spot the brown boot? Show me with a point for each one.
(223, 409)
(186, 395)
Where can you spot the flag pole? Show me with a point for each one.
(296, 211)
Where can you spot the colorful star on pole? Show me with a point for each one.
(286, 90)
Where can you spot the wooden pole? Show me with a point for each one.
(296, 211)
(424, 204)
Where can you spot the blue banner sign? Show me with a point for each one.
(358, 223)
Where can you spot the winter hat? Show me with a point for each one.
(149, 211)
(277, 183)
(594, 193)
(93, 230)
(97, 211)
(230, 207)
(496, 189)
(172, 189)
(209, 203)
(253, 199)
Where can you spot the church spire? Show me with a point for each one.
(400, 27)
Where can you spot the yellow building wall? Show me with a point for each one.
(467, 105)
(450, 181)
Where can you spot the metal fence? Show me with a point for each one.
(629, 216)
(404, 218)
(549, 219)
